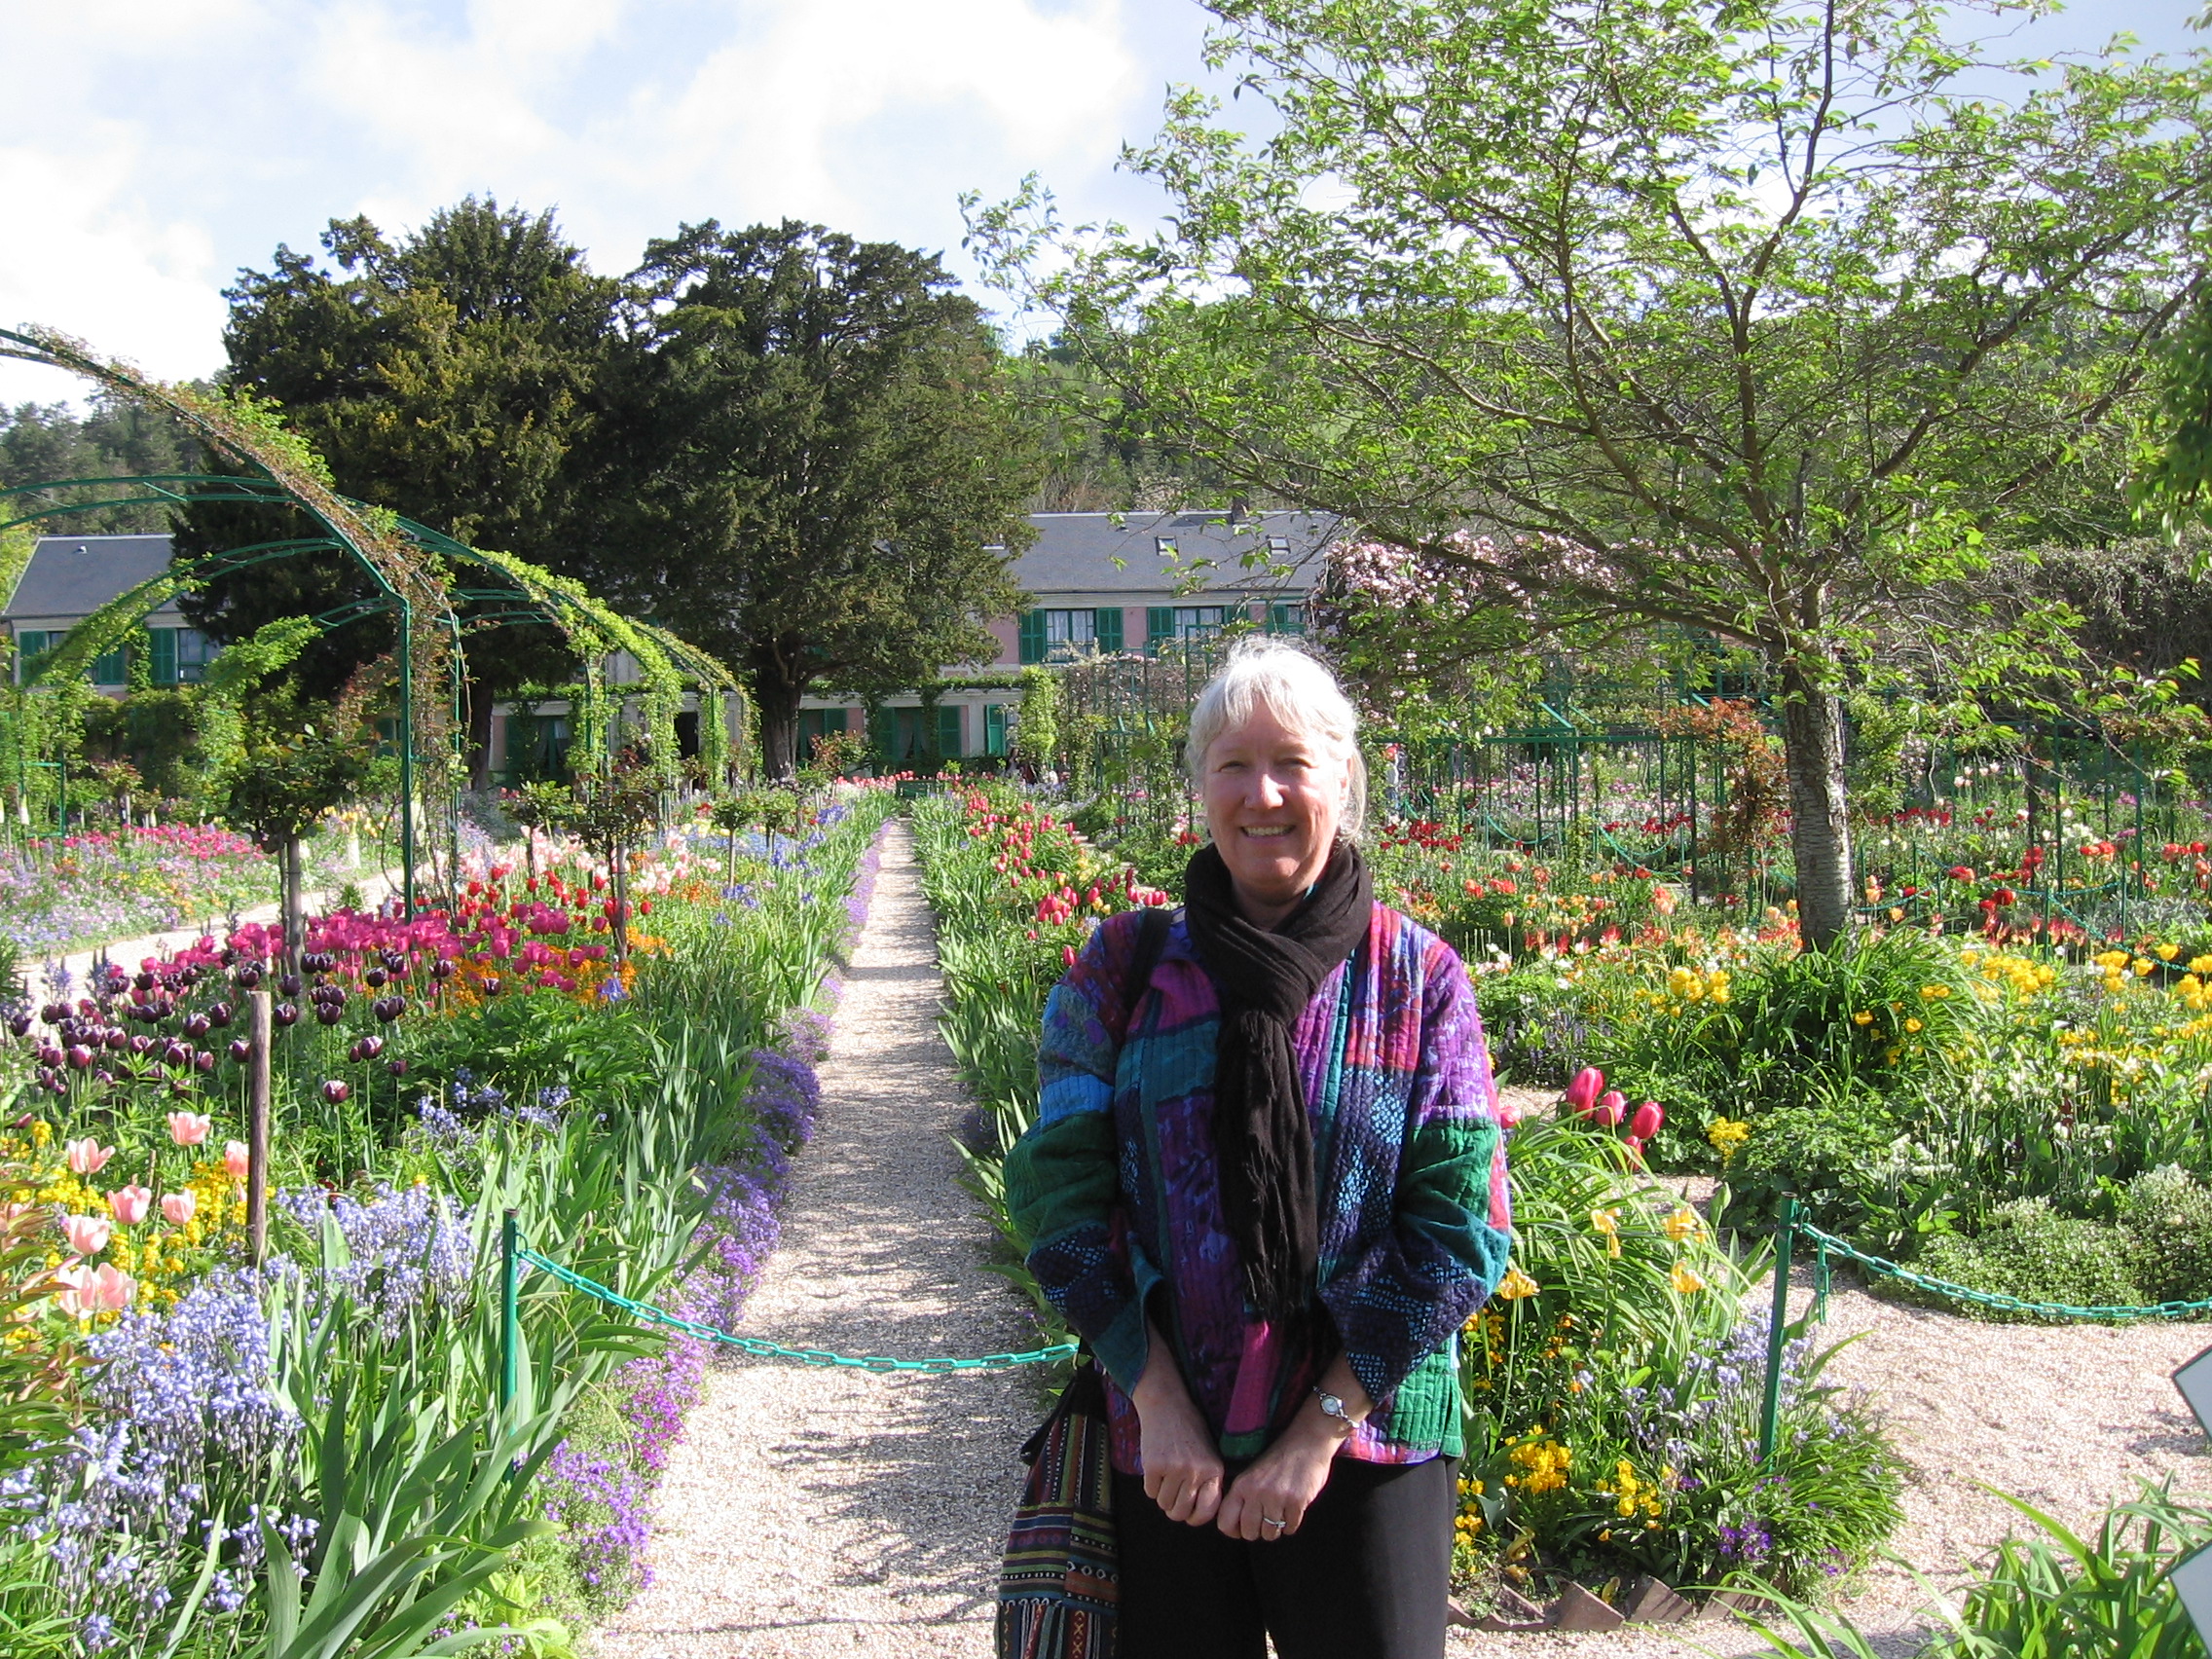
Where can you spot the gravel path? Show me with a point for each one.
(837, 1512)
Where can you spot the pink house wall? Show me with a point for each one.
(1007, 634)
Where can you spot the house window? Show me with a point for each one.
(1165, 622)
(31, 643)
(111, 667)
(178, 656)
(1279, 548)
(1164, 546)
(1073, 629)
(1286, 618)
(1048, 636)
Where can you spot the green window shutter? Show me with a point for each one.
(881, 729)
(112, 668)
(948, 731)
(833, 719)
(30, 646)
(994, 728)
(1032, 636)
(1158, 625)
(1109, 629)
(161, 656)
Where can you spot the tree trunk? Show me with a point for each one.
(293, 905)
(619, 865)
(1819, 822)
(777, 698)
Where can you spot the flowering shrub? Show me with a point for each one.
(427, 1073)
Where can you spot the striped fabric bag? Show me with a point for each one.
(1060, 1581)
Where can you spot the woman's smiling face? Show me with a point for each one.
(1273, 798)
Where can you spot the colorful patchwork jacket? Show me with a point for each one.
(1115, 1187)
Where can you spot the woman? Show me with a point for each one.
(1268, 1186)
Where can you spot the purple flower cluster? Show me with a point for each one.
(1747, 1544)
(602, 1499)
(400, 1251)
(600, 1504)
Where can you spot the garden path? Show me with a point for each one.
(813, 1512)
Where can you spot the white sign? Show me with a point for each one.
(2193, 1577)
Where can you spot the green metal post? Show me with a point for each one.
(510, 1318)
(406, 760)
(1778, 1330)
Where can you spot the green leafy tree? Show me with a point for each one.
(51, 443)
(836, 468)
(286, 784)
(1739, 320)
(448, 376)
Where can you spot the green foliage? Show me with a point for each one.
(2032, 1251)
(835, 471)
(115, 437)
(1615, 1399)
(1037, 729)
(1637, 314)
(2110, 1596)
(2167, 1214)
(287, 782)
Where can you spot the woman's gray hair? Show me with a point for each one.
(1299, 689)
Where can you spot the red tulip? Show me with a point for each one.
(1612, 1108)
(1582, 1093)
(1648, 1116)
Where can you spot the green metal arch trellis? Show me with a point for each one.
(408, 565)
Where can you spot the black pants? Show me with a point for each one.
(1365, 1577)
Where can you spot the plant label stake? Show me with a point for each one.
(2192, 1576)
(258, 1034)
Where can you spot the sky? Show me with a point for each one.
(150, 149)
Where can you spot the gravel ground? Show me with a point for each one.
(837, 1512)
(814, 1512)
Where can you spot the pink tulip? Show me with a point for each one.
(1648, 1116)
(177, 1208)
(88, 1234)
(90, 1290)
(1582, 1093)
(86, 1157)
(237, 1158)
(1611, 1109)
(131, 1204)
(1508, 1112)
(189, 1128)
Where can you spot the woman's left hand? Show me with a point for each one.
(1283, 1482)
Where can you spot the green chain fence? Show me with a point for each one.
(1826, 1245)
(514, 1255)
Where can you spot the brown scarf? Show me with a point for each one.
(1263, 1141)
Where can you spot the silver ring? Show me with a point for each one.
(1265, 1521)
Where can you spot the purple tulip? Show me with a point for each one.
(79, 1057)
(336, 1090)
(285, 1014)
(240, 1050)
(367, 1049)
(203, 1061)
(198, 1026)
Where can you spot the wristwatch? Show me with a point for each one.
(1333, 1405)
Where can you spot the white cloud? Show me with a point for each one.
(85, 256)
(152, 147)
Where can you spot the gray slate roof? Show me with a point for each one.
(1075, 552)
(70, 576)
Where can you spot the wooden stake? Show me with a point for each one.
(259, 1031)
